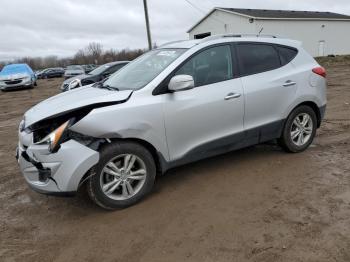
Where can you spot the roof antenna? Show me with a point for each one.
(261, 31)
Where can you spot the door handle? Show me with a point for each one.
(289, 83)
(232, 96)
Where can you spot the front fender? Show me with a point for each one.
(137, 119)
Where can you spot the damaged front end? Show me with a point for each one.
(54, 159)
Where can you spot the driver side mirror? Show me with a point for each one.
(180, 83)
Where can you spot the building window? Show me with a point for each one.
(201, 36)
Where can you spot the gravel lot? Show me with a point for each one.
(256, 204)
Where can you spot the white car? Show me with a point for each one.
(179, 103)
(73, 70)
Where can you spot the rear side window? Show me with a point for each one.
(257, 58)
(286, 54)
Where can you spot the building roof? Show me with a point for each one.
(278, 15)
(264, 13)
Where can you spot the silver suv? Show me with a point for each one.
(179, 103)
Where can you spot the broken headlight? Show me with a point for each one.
(56, 137)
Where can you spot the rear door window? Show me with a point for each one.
(255, 58)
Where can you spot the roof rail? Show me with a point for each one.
(172, 42)
(214, 37)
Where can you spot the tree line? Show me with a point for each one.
(91, 54)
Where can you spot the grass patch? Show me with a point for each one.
(328, 61)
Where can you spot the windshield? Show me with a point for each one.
(74, 67)
(143, 70)
(13, 69)
(99, 70)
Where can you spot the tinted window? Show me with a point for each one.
(210, 66)
(114, 69)
(257, 58)
(286, 54)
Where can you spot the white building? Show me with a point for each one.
(322, 33)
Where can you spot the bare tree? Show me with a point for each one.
(91, 54)
(94, 52)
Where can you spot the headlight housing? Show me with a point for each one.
(74, 84)
(56, 137)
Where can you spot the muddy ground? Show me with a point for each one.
(257, 204)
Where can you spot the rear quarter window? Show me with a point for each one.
(287, 54)
(255, 58)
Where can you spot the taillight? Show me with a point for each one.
(320, 71)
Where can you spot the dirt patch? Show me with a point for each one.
(257, 204)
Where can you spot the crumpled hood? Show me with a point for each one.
(74, 99)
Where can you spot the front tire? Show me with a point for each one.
(124, 175)
(299, 130)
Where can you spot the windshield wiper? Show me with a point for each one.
(108, 87)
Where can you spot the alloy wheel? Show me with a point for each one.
(123, 177)
(301, 129)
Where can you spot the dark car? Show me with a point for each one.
(50, 73)
(94, 76)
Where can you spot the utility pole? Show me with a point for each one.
(147, 25)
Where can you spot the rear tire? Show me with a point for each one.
(124, 175)
(299, 130)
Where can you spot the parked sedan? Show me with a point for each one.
(17, 76)
(73, 70)
(51, 73)
(94, 76)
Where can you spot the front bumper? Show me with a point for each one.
(58, 173)
(20, 83)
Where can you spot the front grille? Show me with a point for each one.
(13, 82)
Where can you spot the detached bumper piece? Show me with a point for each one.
(55, 173)
(44, 173)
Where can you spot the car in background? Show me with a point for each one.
(94, 76)
(50, 73)
(17, 76)
(89, 68)
(73, 70)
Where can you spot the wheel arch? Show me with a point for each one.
(157, 156)
(314, 107)
(161, 163)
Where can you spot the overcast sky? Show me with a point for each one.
(61, 27)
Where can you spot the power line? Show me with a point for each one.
(196, 7)
(204, 12)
